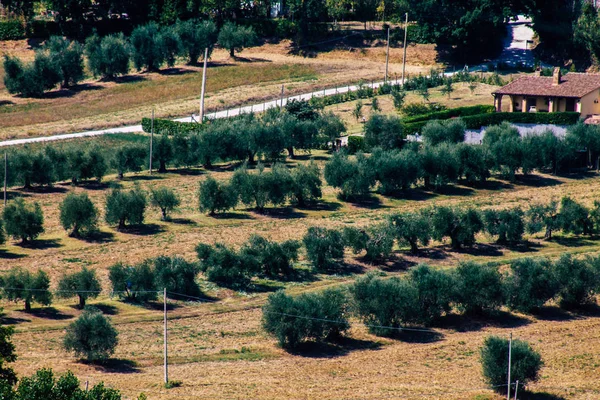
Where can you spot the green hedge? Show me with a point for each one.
(168, 127)
(452, 113)
(557, 118)
(12, 29)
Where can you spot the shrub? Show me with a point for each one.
(353, 177)
(165, 199)
(324, 247)
(578, 280)
(434, 292)
(195, 37)
(234, 37)
(542, 217)
(108, 57)
(272, 259)
(68, 58)
(32, 79)
(306, 184)
(411, 229)
(530, 284)
(177, 275)
(23, 221)
(377, 240)
(398, 97)
(224, 266)
(133, 283)
(83, 284)
(384, 131)
(525, 362)
(451, 113)
(216, 196)
(315, 316)
(460, 225)
(488, 119)
(22, 285)
(478, 288)
(356, 144)
(384, 303)
(147, 47)
(436, 132)
(91, 336)
(78, 214)
(506, 224)
(170, 128)
(125, 207)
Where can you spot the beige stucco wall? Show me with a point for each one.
(588, 107)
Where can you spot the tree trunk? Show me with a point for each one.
(120, 175)
(251, 158)
(163, 167)
(164, 213)
(27, 305)
(231, 52)
(548, 234)
(81, 302)
(291, 152)
(414, 249)
(121, 225)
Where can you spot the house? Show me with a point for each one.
(572, 92)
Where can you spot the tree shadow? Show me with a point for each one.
(396, 264)
(332, 349)
(429, 253)
(552, 313)
(6, 103)
(140, 177)
(469, 323)
(127, 79)
(12, 320)
(99, 236)
(115, 365)
(283, 213)
(106, 309)
(6, 255)
(537, 181)
(144, 230)
(453, 190)
(175, 71)
(369, 202)
(70, 92)
(587, 310)
(412, 194)
(527, 395)
(49, 313)
(298, 275)
(573, 241)
(251, 60)
(95, 185)
(41, 244)
(322, 206)
(182, 221)
(155, 305)
(13, 194)
(524, 247)
(45, 189)
(190, 171)
(488, 185)
(232, 215)
(256, 287)
(418, 336)
(343, 269)
(308, 157)
(479, 250)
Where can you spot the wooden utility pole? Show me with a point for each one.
(387, 56)
(509, 362)
(165, 336)
(516, 389)
(203, 85)
(404, 58)
(5, 177)
(281, 96)
(151, 140)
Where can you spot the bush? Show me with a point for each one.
(315, 316)
(451, 113)
(83, 284)
(12, 29)
(196, 36)
(460, 225)
(23, 221)
(377, 240)
(91, 336)
(108, 57)
(272, 259)
(508, 225)
(385, 303)
(488, 119)
(86, 163)
(262, 188)
(384, 131)
(125, 207)
(178, 276)
(578, 280)
(530, 284)
(478, 288)
(356, 144)
(439, 165)
(78, 215)
(215, 196)
(133, 283)
(353, 177)
(306, 184)
(525, 362)
(22, 285)
(234, 37)
(170, 128)
(165, 199)
(411, 229)
(436, 132)
(32, 79)
(324, 247)
(224, 266)
(434, 293)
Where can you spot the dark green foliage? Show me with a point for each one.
(306, 184)
(398, 97)
(439, 165)
(171, 44)
(384, 131)
(32, 79)
(530, 284)
(147, 47)
(178, 276)
(473, 162)
(302, 110)
(20, 284)
(478, 288)
(168, 127)
(22, 220)
(129, 158)
(542, 217)
(525, 362)
(451, 113)
(574, 217)
(216, 196)
(68, 57)
(578, 280)
(108, 57)
(353, 177)
(507, 224)
(488, 119)
(436, 132)
(196, 36)
(225, 266)
(235, 37)
(86, 163)
(12, 29)
(310, 316)
(133, 283)
(32, 168)
(162, 152)
(411, 229)
(434, 292)
(83, 284)
(262, 188)
(506, 149)
(78, 214)
(385, 303)
(377, 240)
(91, 336)
(324, 247)
(7, 355)
(460, 225)
(395, 170)
(356, 144)
(165, 199)
(272, 259)
(125, 207)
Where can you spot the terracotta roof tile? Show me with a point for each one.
(571, 85)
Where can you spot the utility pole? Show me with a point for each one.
(387, 56)
(509, 362)
(516, 389)
(151, 140)
(281, 96)
(5, 177)
(203, 86)
(404, 58)
(165, 336)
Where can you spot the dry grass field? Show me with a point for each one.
(218, 349)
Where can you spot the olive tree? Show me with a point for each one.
(411, 229)
(195, 37)
(83, 284)
(125, 207)
(234, 37)
(133, 282)
(165, 199)
(324, 247)
(460, 225)
(78, 214)
(478, 288)
(22, 220)
(108, 57)
(214, 196)
(530, 284)
(20, 284)
(91, 336)
(508, 224)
